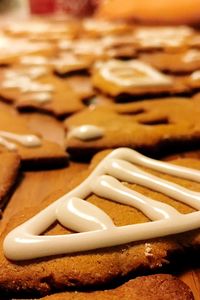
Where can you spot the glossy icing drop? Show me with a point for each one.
(132, 73)
(26, 140)
(86, 132)
(95, 228)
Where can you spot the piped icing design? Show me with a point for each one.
(86, 132)
(26, 140)
(132, 73)
(8, 145)
(26, 82)
(168, 36)
(95, 228)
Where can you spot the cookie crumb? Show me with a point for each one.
(148, 250)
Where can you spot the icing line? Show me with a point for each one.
(25, 241)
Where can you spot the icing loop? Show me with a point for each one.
(80, 216)
(95, 228)
(132, 73)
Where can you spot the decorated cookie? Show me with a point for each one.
(42, 30)
(165, 37)
(98, 28)
(35, 88)
(152, 287)
(135, 78)
(16, 137)
(152, 126)
(8, 53)
(81, 239)
(62, 64)
(9, 167)
(180, 62)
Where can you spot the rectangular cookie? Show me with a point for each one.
(105, 245)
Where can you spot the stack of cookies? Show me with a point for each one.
(100, 170)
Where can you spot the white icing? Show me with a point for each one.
(96, 229)
(191, 55)
(27, 140)
(101, 25)
(40, 97)
(86, 132)
(7, 145)
(124, 73)
(34, 60)
(195, 75)
(88, 47)
(164, 36)
(24, 80)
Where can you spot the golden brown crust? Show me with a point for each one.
(9, 167)
(48, 154)
(153, 126)
(153, 287)
(98, 267)
(182, 62)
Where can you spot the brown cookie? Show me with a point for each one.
(81, 85)
(153, 126)
(151, 38)
(9, 54)
(135, 78)
(101, 266)
(153, 287)
(179, 63)
(36, 89)
(63, 64)
(9, 167)
(32, 149)
(42, 30)
(97, 28)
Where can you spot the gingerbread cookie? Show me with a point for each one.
(81, 85)
(8, 53)
(178, 63)
(152, 126)
(163, 37)
(35, 88)
(135, 78)
(62, 64)
(98, 28)
(153, 287)
(9, 167)
(15, 136)
(42, 30)
(95, 245)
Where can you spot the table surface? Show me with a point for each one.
(35, 186)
